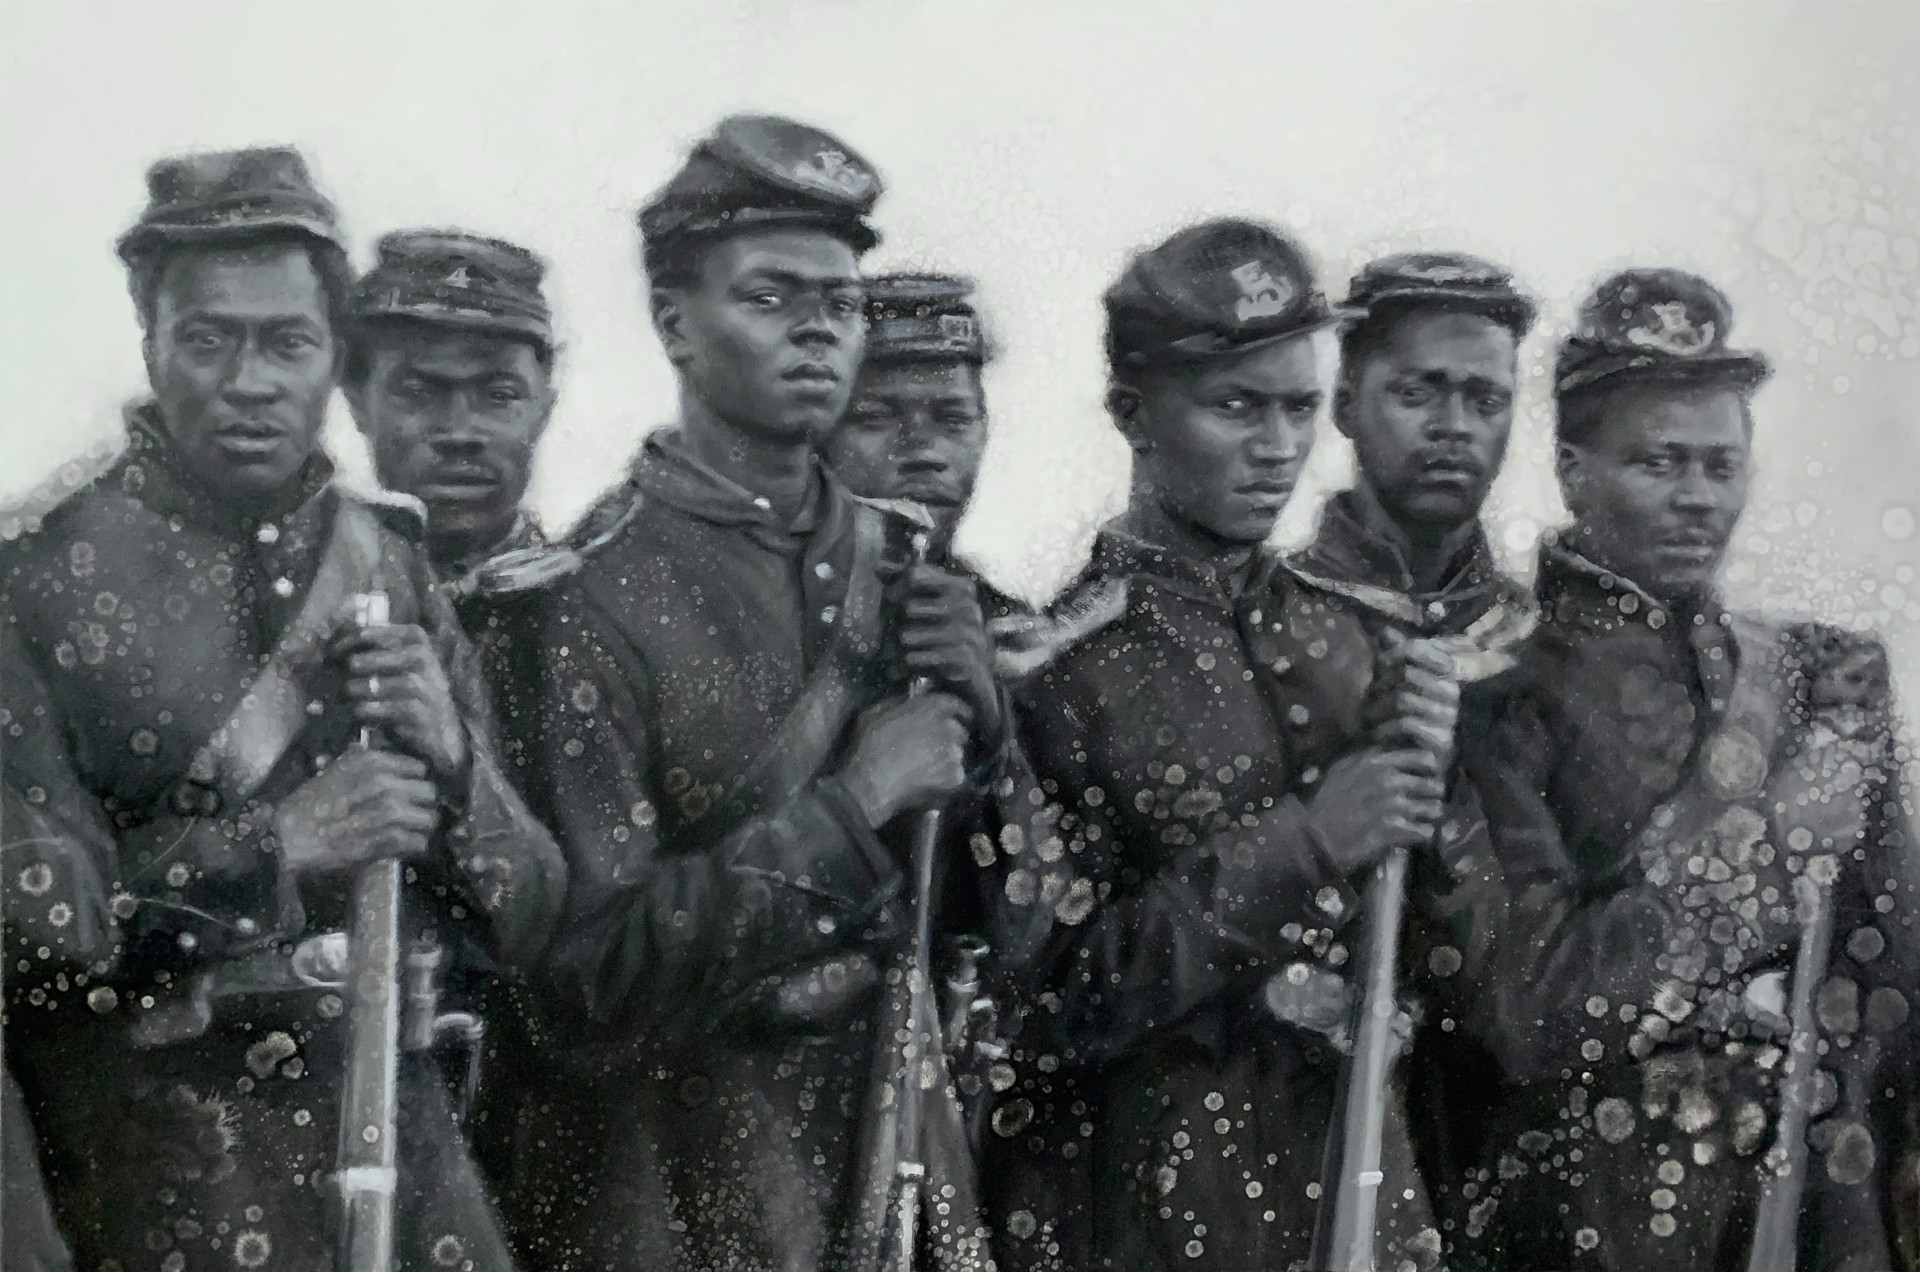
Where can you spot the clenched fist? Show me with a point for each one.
(1374, 801)
(397, 685)
(365, 806)
(944, 637)
(1415, 698)
(907, 753)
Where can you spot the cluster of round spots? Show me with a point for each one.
(1819, 206)
(24, 517)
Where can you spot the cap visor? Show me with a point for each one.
(1205, 347)
(143, 238)
(1745, 369)
(923, 351)
(486, 324)
(856, 232)
(1453, 298)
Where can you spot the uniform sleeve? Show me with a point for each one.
(504, 861)
(1575, 971)
(1131, 955)
(1876, 958)
(61, 858)
(654, 942)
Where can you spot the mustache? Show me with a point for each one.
(812, 371)
(1450, 461)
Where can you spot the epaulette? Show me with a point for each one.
(1491, 643)
(25, 515)
(523, 570)
(1383, 600)
(402, 514)
(1025, 643)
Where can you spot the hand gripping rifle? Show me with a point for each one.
(1351, 1175)
(908, 1046)
(366, 1175)
(1776, 1224)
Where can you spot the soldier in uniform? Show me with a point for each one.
(1428, 370)
(184, 683)
(450, 375)
(916, 429)
(1197, 712)
(723, 743)
(1428, 367)
(1663, 777)
(449, 372)
(917, 425)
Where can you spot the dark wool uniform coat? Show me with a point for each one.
(730, 910)
(1654, 779)
(138, 616)
(1177, 1077)
(1481, 615)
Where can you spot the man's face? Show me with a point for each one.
(1226, 439)
(916, 430)
(240, 353)
(453, 417)
(1660, 481)
(1428, 410)
(769, 332)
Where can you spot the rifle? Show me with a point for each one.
(1776, 1223)
(1344, 1227)
(1343, 1236)
(366, 1174)
(893, 1172)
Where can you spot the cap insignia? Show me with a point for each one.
(956, 327)
(831, 169)
(1442, 273)
(1261, 294)
(1672, 331)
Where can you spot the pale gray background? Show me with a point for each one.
(1771, 146)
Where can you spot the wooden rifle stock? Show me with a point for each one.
(1776, 1222)
(1350, 1176)
(366, 1173)
(1343, 1237)
(893, 1172)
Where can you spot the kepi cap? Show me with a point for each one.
(1442, 280)
(757, 170)
(450, 278)
(230, 194)
(1654, 323)
(1212, 289)
(923, 317)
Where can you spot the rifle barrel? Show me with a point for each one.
(892, 1171)
(1344, 1228)
(367, 1169)
(1776, 1222)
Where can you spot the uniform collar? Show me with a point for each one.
(1574, 589)
(525, 533)
(152, 472)
(668, 472)
(1356, 550)
(1576, 592)
(1116, 553)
